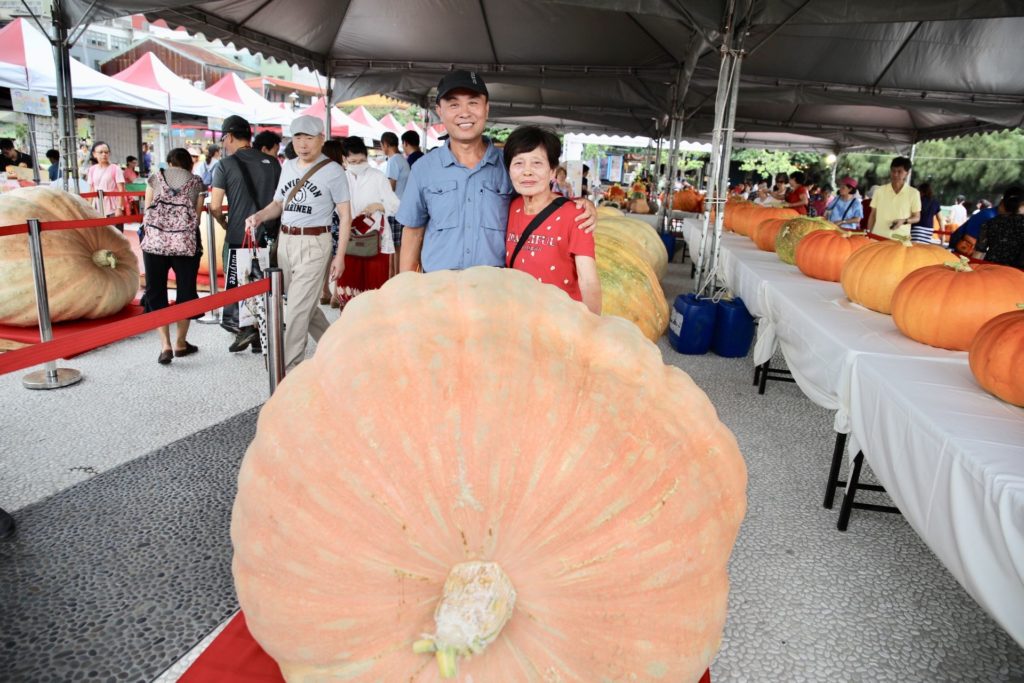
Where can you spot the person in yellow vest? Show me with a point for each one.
(895, 206)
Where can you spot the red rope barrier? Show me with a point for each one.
(95, 195)
(87, 340)
(72, 225)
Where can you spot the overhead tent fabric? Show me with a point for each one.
(26, 63)
(253, 107)
(867, 73)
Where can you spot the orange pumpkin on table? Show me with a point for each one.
(946, 305)
(996, 356)
(766, 233)
(871, 274)
(534, 497)
(823, 253)
(689, 200)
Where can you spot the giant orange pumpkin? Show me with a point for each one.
(629, 286)
(823, 253)
(996, 356)
(946, 305)
(547, 492)
(688, 199)
(645, 238)
(793, 232)
(767, 231)
(871, 274)
(90, 272)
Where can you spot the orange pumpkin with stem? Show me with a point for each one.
(822, 254)
(533, 497)
(996, 356)
(946, 305)
(871, 274)
(766, 233)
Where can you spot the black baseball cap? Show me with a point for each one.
(461, 80)
(236, 125)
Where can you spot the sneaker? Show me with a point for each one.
(243, 339)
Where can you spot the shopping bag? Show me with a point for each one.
(250, 265)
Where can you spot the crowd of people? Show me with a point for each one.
(337, 226)
(898, 210)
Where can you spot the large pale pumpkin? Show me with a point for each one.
(648, 243)
(823, 253)
(795, 230)
(996, 356)
(90, 273)
(543, 465)
(871, 274)
(606, 211)
(630, 287)
(946, 305)
(219, 235)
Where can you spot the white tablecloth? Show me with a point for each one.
(952, 458)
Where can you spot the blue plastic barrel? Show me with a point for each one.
(734, 329)
(670, 244)
(692, 324)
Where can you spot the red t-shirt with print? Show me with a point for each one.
(796, 195)
(550, 251)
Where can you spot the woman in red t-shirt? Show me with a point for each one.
(558, 252)
(798, 197)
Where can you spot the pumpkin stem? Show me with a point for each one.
(104, 258)
(475, 605)
(961, 266)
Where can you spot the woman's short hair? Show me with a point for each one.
(925, 189)
(782, 177)
(528, 138)
(561, 169)
(353, 144)
(266, 139)
(798, 176)
(179, 157)
(332, 150)
(1012, 199)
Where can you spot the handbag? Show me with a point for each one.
(250, 264)
(364, 238)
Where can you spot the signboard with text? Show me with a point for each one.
(30, 102)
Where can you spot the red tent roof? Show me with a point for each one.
(319, 110)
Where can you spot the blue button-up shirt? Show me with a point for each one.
(464, 210)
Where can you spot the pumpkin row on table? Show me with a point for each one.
(609, 520)
(744, 217)
(90, 272)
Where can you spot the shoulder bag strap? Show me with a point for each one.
(302, 181)
(250, 186)
(555, 205)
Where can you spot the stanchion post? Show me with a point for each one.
(275, 327)
(211, 317)
(51, 377)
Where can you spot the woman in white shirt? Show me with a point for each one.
(372, 201)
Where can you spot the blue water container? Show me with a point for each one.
(670, 244)
(734, 329)
(692, 324)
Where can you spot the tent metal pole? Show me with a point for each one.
(835, 169)
(328, 95)
(657, 156)
(734, 90)
(65, 101)
(913, 153)
(170, 130)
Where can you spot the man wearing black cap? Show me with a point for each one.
(248, 179)
(455, 205)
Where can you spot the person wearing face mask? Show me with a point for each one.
(373, 201)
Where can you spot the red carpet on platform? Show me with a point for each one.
(12, 337)
(234, 657)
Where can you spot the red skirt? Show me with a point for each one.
(361, 275)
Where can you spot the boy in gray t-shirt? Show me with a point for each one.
(304, 247)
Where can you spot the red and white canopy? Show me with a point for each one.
(180, 96)
(389, 122)
(339, 120)
(256, 108)
(371, 126)
(26, 63)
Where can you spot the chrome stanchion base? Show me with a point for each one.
(211, 318)
(41, 379)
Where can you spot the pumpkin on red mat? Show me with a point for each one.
(946, 305)
(996, 356)
(611, 523)
(823, 253)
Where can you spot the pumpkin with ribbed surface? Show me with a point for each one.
(629, 286)
(550, 446)
(646, 239)
(795, 230)
(605, 211)
(996, 356)
(946, 305)
(823, 253)
(90, 272)
(219, 236)
(871, 275)
(767, 231)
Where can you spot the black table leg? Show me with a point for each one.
(833, 473)
(851, 493)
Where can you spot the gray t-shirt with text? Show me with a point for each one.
(227, 175)
(314, 204)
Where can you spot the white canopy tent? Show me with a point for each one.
(250, 105)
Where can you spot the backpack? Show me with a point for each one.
(170, 225)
